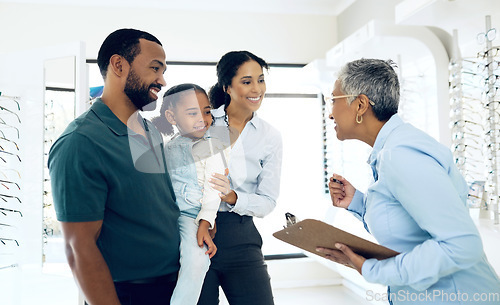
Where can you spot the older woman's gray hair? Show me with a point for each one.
(377, 80)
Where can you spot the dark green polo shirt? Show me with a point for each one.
(101, 170)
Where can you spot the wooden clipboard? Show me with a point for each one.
(309, 234)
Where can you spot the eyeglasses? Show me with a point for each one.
(7, 125)
(14, 99)
(9, 153)
(14, 240)
(2, 169)
(5, 139)
(490, 36)
(490, 52)
(492, 92)
(9, 196)
(492, 79)
(12, 112)
(9, 266)
(493, 65)
(461, 147)
(6, 181)
(330, 99)
(9, 210)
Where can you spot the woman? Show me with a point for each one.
(254, 172)
(417, 203)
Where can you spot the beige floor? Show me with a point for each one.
(59, 289)
(55, 286)
(325, 295)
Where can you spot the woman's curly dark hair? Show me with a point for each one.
(227, 68)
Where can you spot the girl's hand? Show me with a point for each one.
(203, 237)
(344, 255)
(341, 191)
(213, 231)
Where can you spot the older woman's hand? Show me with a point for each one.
(343, 255)
(341, 191)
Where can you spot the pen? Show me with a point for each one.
(336, 181)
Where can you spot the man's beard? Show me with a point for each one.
(138, 93)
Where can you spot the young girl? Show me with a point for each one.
(194, 158)
(255, 171)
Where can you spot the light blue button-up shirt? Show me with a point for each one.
(254, 167)
(417, 206)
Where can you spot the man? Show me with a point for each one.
(111, 190)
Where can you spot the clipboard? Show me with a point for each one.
(309, 234)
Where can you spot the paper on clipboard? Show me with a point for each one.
(309, 234)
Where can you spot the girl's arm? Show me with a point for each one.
(215, 164)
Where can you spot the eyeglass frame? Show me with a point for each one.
(10, 210)
(329, 99)
(489, 35)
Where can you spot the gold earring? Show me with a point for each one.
(360, 120)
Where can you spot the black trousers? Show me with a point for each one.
(238, 267)
(153, 292)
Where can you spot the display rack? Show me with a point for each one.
(11, 202)
(475, 118)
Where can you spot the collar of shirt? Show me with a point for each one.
(107, 116)
(394, 122)
(219, 115)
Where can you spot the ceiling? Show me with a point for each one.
(319, 7)
(466, 17)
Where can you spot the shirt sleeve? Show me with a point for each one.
(211, 200)
(79, 186)
(357, 207)
(263, 201)
(424, 188)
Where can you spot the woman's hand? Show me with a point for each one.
(221, 183)
(341, 191)
(343, 255)
(203, 237)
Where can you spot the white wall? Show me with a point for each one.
(22, 75)
(187, 36)
(361, 12)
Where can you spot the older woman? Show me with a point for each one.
(416, 204)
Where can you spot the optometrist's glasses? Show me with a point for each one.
(329, 100)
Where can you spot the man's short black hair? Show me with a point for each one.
(124, 42)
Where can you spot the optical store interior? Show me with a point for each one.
(446, 64)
